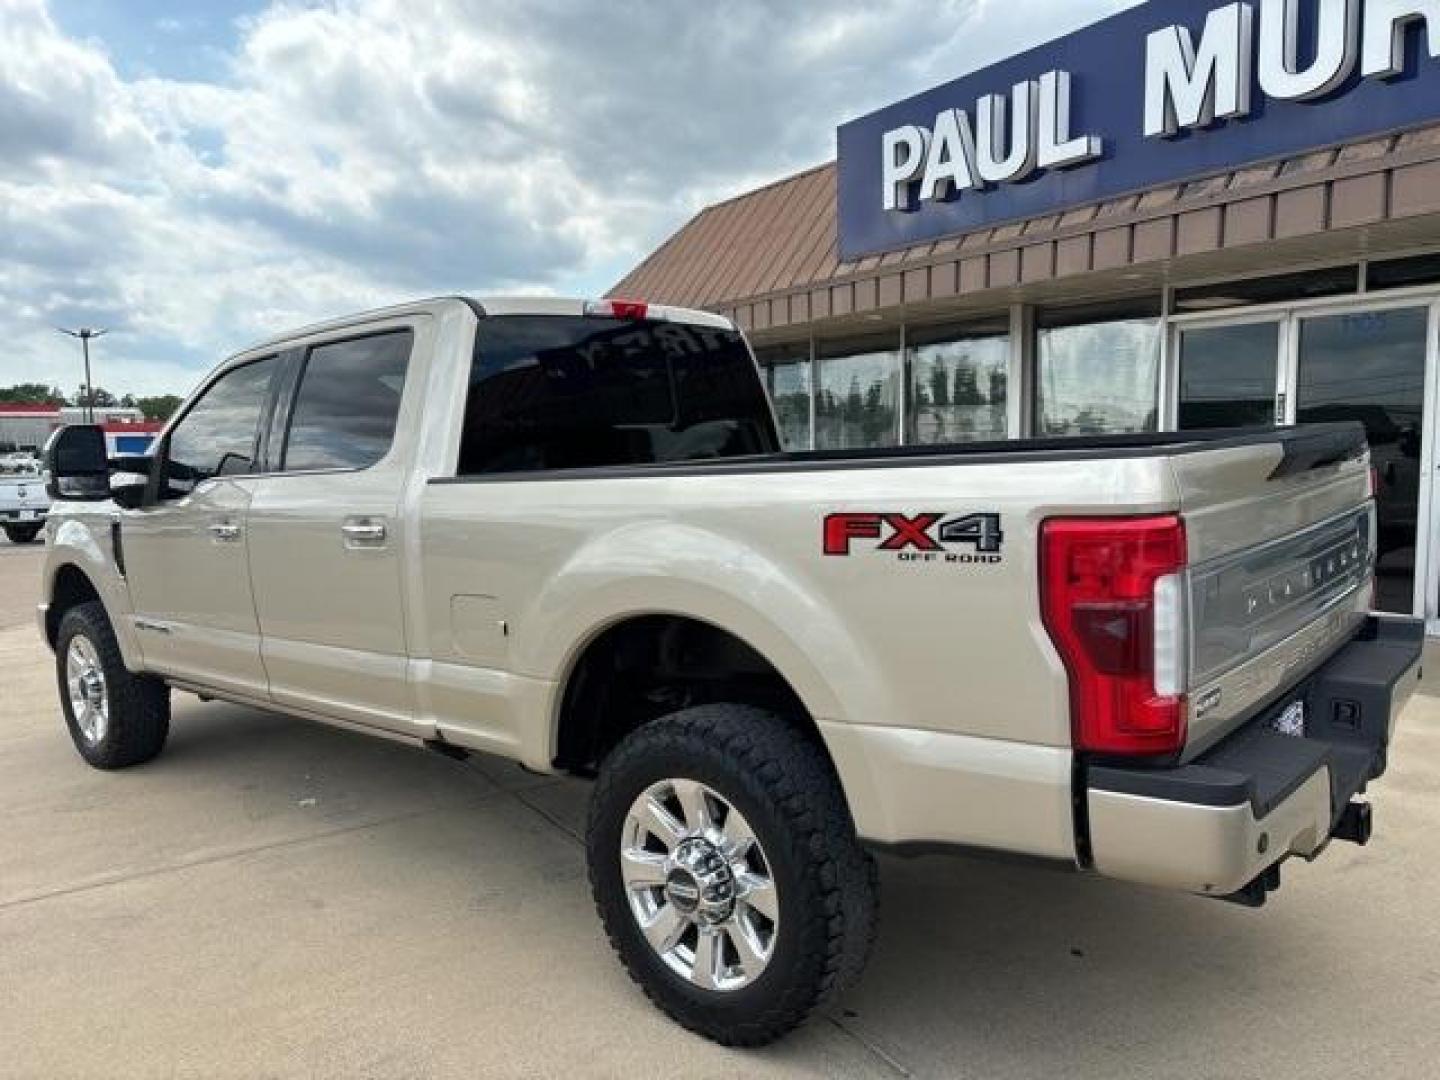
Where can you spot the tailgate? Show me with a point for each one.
(23, 494)
(1281, 541)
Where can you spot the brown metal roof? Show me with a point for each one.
(770, 239)
(768, 257)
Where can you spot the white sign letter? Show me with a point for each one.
(950, 165)
(905, 151)
(1185, 88)
(1335, 54)
(1057, 148)
(1386, 23)
(1000, 159)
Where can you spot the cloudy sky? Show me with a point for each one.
(197, 175)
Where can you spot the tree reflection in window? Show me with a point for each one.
(958, 389)
(858, 399)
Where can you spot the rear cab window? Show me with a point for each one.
(577, 392)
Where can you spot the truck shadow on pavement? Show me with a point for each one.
(984, 967)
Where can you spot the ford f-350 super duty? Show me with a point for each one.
(564, 532)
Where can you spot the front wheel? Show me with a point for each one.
(116, 718)
(22, 534)
(727, 873)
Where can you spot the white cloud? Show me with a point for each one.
(357, 152)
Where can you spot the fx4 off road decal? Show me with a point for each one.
(968, 538)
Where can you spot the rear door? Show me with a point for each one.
(185, 556)
(559, 393)
(325, 532)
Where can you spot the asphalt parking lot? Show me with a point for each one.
(274, 898)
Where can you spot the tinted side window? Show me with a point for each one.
(217, 436)
(567, 392)
(344, 415)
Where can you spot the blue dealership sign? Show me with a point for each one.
(1168, 91)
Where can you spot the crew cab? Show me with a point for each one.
(564, 532)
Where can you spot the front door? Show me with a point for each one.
(1369, 365)
(185, 556)
(325, 536)
(1227, 374)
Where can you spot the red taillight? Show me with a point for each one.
(1100, 582)
(617, 309)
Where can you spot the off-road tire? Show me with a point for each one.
(22, 534)
(139, 705)
(787, 790)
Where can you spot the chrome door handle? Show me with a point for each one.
(225, 531)
(363, 533)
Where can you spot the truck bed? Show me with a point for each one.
(1313, 446)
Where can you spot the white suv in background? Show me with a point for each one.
(24, 502)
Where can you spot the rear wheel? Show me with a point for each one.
(727, 873)
(22, 534)
(116, 718)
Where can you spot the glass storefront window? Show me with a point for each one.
(958, 385)
(787, 380)
(1098, 371)
(858, 399)
(1306, 285)
(1403, 273)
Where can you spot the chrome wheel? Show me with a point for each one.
(89, 701)
(699, 885)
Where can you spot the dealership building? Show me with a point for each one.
(1191, 215)
(25, 428)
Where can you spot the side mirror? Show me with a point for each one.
(77, 465)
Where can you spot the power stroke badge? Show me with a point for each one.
(925, 538)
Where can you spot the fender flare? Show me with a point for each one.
(73, 546)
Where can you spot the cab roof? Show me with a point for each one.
(493, 306)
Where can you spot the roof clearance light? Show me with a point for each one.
(617, 309)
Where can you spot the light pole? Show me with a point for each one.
(85, 333)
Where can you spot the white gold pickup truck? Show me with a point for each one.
(564, 532)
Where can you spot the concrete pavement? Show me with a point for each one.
(274, 898)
